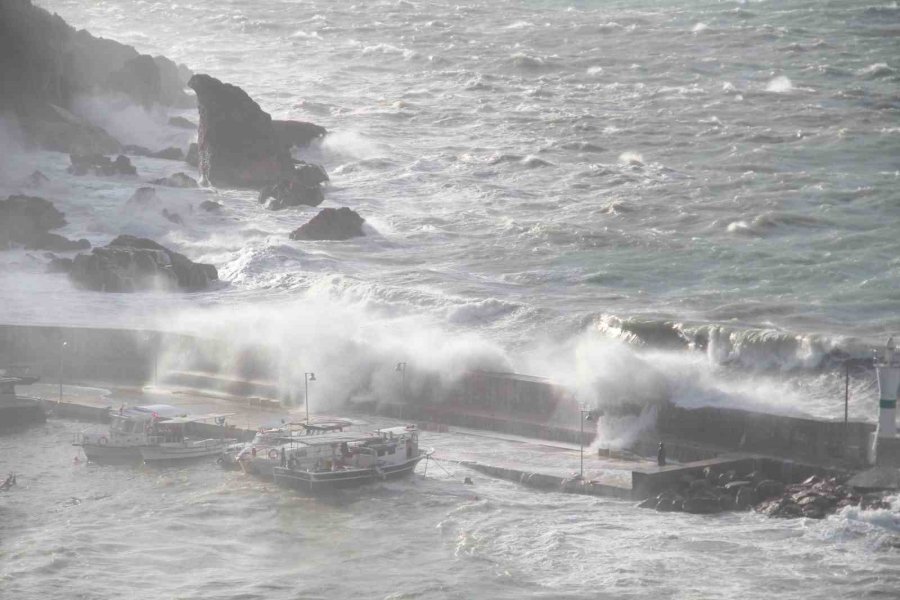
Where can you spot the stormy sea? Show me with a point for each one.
(643, 200)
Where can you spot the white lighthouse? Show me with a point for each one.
(886, 444)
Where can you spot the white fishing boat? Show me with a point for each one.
(169, 440)
(129, 429)
(341, 460)
(151, 433)
(262, 454)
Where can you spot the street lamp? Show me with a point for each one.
(62, 348)
(307, 378)
(155, 349)
(583, 415)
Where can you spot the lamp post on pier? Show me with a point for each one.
(307, 378)
(583, 415)
(62, 349)
(401, 368)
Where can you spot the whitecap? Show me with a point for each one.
(780, 85)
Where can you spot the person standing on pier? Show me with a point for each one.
(661, 455)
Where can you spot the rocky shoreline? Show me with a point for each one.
(49, 65)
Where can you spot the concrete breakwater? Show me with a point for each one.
(505, 402)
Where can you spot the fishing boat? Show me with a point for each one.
(341, 460)
(152, 432)
(262, 454)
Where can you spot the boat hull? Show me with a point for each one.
(111, 454)
(177, 453)
(319, 481)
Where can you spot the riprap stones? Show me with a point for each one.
(27, 221)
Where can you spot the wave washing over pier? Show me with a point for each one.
(647, 204)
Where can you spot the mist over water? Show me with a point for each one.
(576, 190)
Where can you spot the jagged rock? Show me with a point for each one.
(27, 221)
(129, 263)
(179, 180)
(699, 487)
(54, 128)
(769, 488)
(135, 150)
(100, 165)
(45, 64)
(745, 498)
(302, 186)
(735, 486)
(210, 206)
(182, 123)
(172, 217)
(37, 179)
(702, 505)
(139, 79)
(193, 156)
(331, 224)
(237, 144)
(59, 265)
(171, 153)
(297, 133)
(144, 198)
(173, 80)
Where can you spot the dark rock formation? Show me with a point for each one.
(331, 224)
(297, 133)
(37, 179)
(301, 186)
(210, 206)
(138, 78)
(170, 153)
(182, 123)
(59, 265)
(44, 62)
(100, 165)
(129, 263)
(144, 198)
(135, 150)
(193, 155)
(179, 180)
(27, 221)
(237, 144)
(54, 128)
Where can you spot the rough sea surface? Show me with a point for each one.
(579, 190)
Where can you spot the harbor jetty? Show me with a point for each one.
(515, 427)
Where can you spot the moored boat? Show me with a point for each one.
(349, 460)
(18, 412)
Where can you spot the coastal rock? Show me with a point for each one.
(236, 142)
(178, 180)
(27, 221)
(129, 263)
(210, 206)
(768, 489)
(139, 79)
(297, 133)
(36, 180)
(745, 498)
(143, 198)
(193, 156)
(331, 224)
(98, 164)
(171, 153)
(702, 506)
(59, 265)
(54, 128)
(45, 64)
(302, 186)
(182, 123)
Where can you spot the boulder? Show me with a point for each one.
(745, 498)
(210, 206)
(734, 487)
(36, 180)
(135, 150)
(54, 128)
(129, 263)
(297, 133)
(331, 224)
(59, 265)
(769, 488)
(702, 505)
(182, 123)
(193, 156)
(170, 153)
(98, 164)
(144, 198)
(179, 180)
(27, 221)
(236, 142)
(139, 79)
